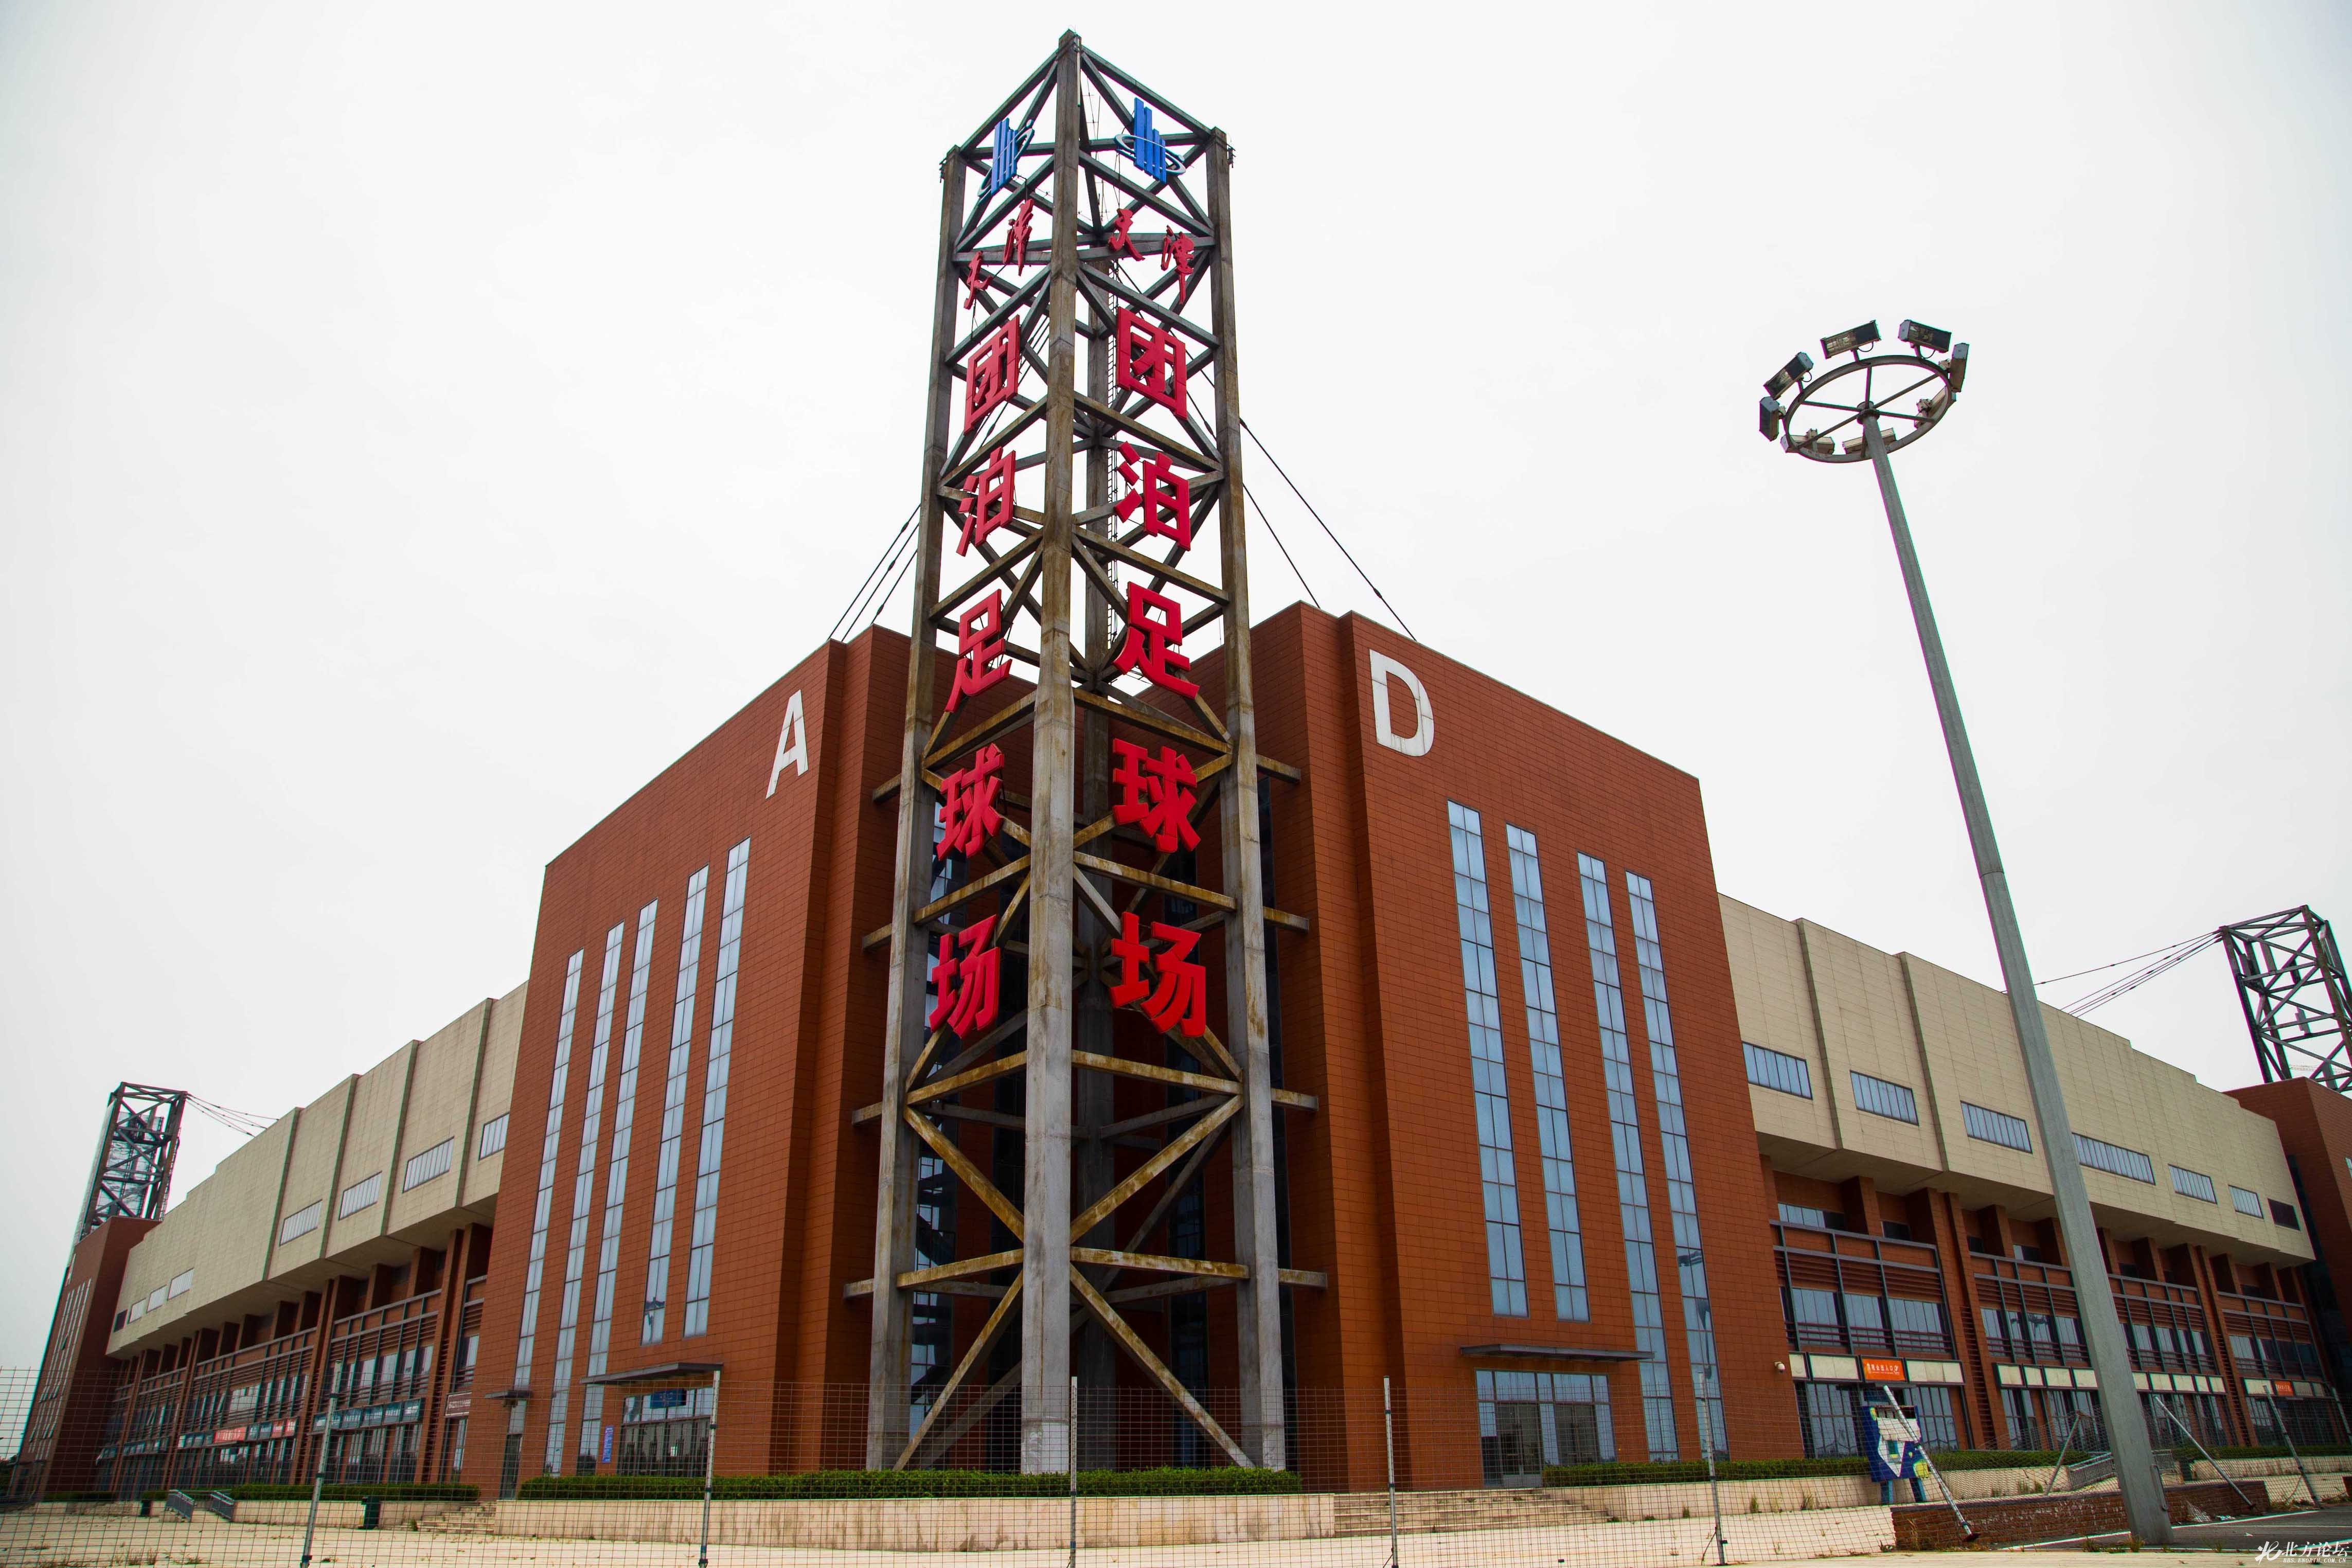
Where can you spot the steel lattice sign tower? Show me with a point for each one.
(1080, 526)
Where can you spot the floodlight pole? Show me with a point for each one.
(2144, 1504)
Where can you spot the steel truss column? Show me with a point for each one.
(1094, 1359)
(1052, 866)
(1245, 942)
(1074, 884)
(888, 1359)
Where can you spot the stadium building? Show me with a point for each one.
(1571, 1147)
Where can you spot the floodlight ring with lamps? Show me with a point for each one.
(1910, 380)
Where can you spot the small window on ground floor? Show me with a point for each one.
(1528, 1420)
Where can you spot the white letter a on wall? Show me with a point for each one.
(1424, 728)
(792, 746)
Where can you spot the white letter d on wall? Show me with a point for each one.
(791, 746)
(1425, 729)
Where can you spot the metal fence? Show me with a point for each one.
(1519, 1468)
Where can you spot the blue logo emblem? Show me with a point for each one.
(1147, 150)
(1005, 158)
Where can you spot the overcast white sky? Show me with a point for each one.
(419, 423)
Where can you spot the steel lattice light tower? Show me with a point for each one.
(1082, 328)
(1859, 409)
(2291, 983)
(131, 1175)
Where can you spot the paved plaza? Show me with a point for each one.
(51, 1541)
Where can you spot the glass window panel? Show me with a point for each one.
(1568, 1299)
(1772, 1070)
(1996, 1127)
(1505, 1267)
(1881, 1098)
(714, 1101)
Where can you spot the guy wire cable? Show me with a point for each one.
(1318, 516)
(859, 598)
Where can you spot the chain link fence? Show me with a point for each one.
(1518, 1468)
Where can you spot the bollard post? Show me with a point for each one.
(1387, 1426)
(709, 1468)
(1715, 1492)
(318, 1480)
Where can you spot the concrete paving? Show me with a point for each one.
(99, 1542)
(2311, 1535)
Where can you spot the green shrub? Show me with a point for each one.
(817, 1485)
(1636, 1473)
(339, 1491)
(2331, 1451)
(2002, 1459)
(1630, 1473)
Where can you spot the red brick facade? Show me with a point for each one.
(1383, 1210)
(2315, 1124)
(62, 1430)
(1384, 1181)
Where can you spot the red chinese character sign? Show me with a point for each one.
(1156, 794)
(993, 375)
(1177, 999)
(967, 977)
(1077, 557)
(1158, 492)
(1154, 644)
(979, 649)
(1176, 254)
(968, 814)
(1016, 236)
(988, 498)
(1150, 358)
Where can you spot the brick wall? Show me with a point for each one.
(1924, 1527)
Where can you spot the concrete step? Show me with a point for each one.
(473, 1519)
(1366, 1513)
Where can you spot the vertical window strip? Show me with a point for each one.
(1568, 1298)
(673, 1127)
(583, 1180)
(714, 1095)
(1507, 1270)
(531, 1276)
(933, 1317)
(1673, 1143)
(932, 1313)
(1633, 1178)
(616, 1178)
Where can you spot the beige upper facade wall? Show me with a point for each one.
(1864, 1012)
(1844, 1006)
(1776, 1011)
(377, 1106)
(222, 1242)
(440, 1112)
(226, 1228)
(310, 1177)
(493, 1097)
